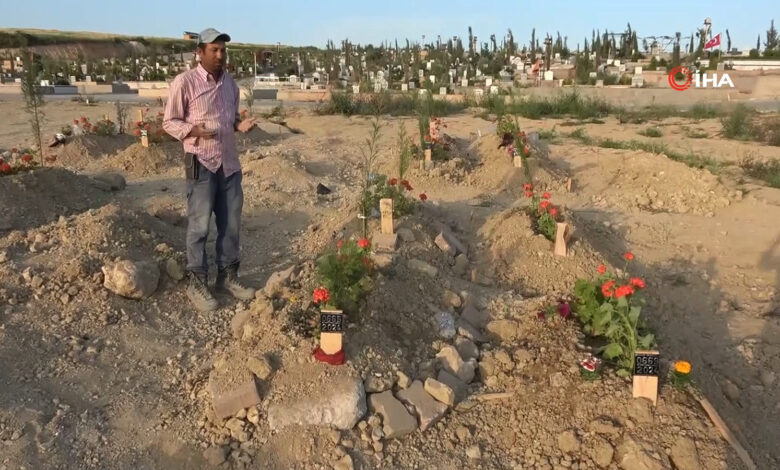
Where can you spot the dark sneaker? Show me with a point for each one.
(227, 281)
(199, 295)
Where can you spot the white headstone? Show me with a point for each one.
(557, 56)
(443, 90)
(548, 74)
(479, 73)
(616, 63)
(464, 82)
(493, 89)
(411, 85)
(488, 81)
(385, 85)
(356, 89)
(84, 69)
(72, 79)
(479, 92)
(428, 65)
(404, 87)
(421, 73)
(303, 86)
(377, 87)
(638, 70)
(721, 66)
(637, 81)
(622, 68)
(423, 91)
(432, 78)
(593, 75)
(599, 83)
(88, 79)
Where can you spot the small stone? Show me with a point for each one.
(344, 464)
(568, 442)
(374, 384)
(406, 235)
(277, 281)
(473, 452)
(504, 330)
(216, 455)
(335, 436)
(253, 415)
(428, 410)
(473, 316)
(463, 434)
(640, 411)
(440, 391)
(444, 245)
(397, 422)
(684, 454)
(768, 378)
(403, 380)
(378, 446)
(260, 367)
(174, 270)
(423, 267)
(451, 299)
(466, 348)
(460, 388)
(461, 264)
(377, 434)
(374, 421)
(135, 280)
(452, 362)
(601, 452)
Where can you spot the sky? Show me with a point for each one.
(305, 22)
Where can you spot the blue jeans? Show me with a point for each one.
(213, 192)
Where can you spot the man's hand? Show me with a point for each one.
(200, 131)
(246, 125)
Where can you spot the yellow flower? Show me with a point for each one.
(682, 367)
(292, 299)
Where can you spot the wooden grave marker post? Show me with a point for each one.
(140, 114)
(568, 185)
(561, 237)
(647, 366)
(428, 161)
(517, 160)
(386, 211)
(144, 138)
(331, 331)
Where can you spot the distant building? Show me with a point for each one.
(191, 36)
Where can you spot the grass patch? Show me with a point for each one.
(651, 132)
(738, 124)
(570, 104)
(704, 111)
(768, 171)
(697, 134)
(385, 103)
(550, 136)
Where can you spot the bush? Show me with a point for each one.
(386, 103)
(345, 273)
(565, 104)
(768, 171)
(651, 132)
(394, 189)
(737, 124)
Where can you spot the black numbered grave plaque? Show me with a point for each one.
(331, 323)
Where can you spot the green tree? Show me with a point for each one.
(33, 99)
(771, 38)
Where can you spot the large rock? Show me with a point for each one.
(568, 442)
(277, 281)
(174, 270)
(132, 279)
(684, 454)
(452, 241)
(473, 316)
(632, 455)
(396, 421)
(445, 245)
(340, 402)
(466, 348)
(428, 410)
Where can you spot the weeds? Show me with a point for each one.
(403, 105)
(651, 132)
(697, 134)
(550, 136)
(33, 100)
(768, 171)
(737, 125)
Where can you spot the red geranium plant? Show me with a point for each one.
(609, 306)
(543, 213)
(344, 275)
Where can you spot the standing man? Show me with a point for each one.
(202, 112)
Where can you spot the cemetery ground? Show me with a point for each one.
(90, 379)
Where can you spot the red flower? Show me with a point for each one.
(26, 158)
(629, 256)
(1, 160)
(393, 181)
(606, 288)
(553, 211)
(544, 204)
(321, 295)
(528, 187)
(83, 119)
(76, 122)
(406, 185)
(637, 282)
(339, 243)
(14, 150)
(529, 194)
(5, 168)
(623, 291)
(563, 309)
(423, 197)
(139, 124)
(138, 132)
(364, 243)
(602, 269)
(147, 127)
(546, 195)
(526, 150)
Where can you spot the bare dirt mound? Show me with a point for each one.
(82, 152)
(137, 160)
(40, 196)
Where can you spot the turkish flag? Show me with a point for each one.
(713, 42)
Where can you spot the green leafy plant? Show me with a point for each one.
(651, 132)
(544, 215)
(609, 306)
(737, 125)
(395, 189)
(33, 99)
(369, 154)
(22, 160)
(405, 152)
(345, 273)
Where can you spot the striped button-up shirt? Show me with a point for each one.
(196, 98)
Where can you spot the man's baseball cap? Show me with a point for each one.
(212, 35)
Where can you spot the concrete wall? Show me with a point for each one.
(147, 85)
(10, 89)
(153, 93)
(92, 88)
(303, 95)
